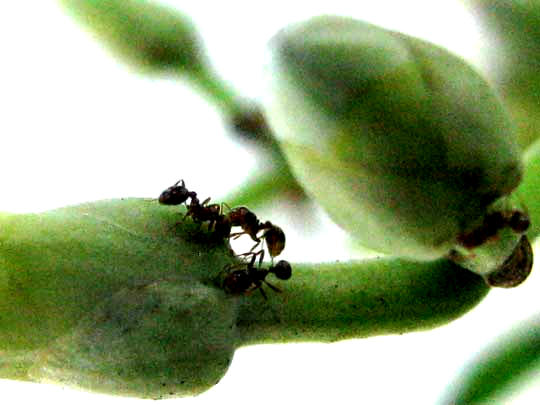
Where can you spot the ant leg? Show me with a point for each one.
(237, 234)
(248, 254)
(263, 293)
(234, 266)
(255, 245)
(261, 254)
(206, 201)
(183, 218)
(273, 287)
(253, 255)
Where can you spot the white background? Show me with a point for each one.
(78, 126)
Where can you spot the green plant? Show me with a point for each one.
(134, 313)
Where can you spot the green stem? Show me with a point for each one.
(217, 91)
(265, 186)
(498, 367)
(350, 300)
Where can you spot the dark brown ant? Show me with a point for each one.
(219, 223)
(273, 235)
(176, 194)
(222, 227)
(247, 278)
(493, 222)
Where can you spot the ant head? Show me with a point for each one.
(175, 195)
(519, 222)
(282, 270)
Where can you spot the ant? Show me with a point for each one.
(273, 235)
(220, 223)
(176, 194)
(493, 222)
(248, 278)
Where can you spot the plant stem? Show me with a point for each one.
(265, 186)
(350, 300)
(244, 118)
(217, 91)
(499, 367)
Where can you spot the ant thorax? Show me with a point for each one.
(243, 278)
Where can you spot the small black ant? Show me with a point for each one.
(248, 278)
(176, 194)
(220, 223)
(493, 222)
(273, 235)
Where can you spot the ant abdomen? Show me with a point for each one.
(282, 270)
(274, 238)
(246, 278)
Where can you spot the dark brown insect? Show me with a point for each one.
(493, 222)
(273, 235)
(245, 277)
(222, 227)
(212, 213)
(176, 194)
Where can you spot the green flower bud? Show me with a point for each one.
(402, 143)
(513, 57)
(113, 297)
(159, 340)
(153, 38)
(148, 35)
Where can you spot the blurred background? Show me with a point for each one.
(77, 126)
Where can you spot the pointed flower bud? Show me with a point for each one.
(402, 143)
(148, 35)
